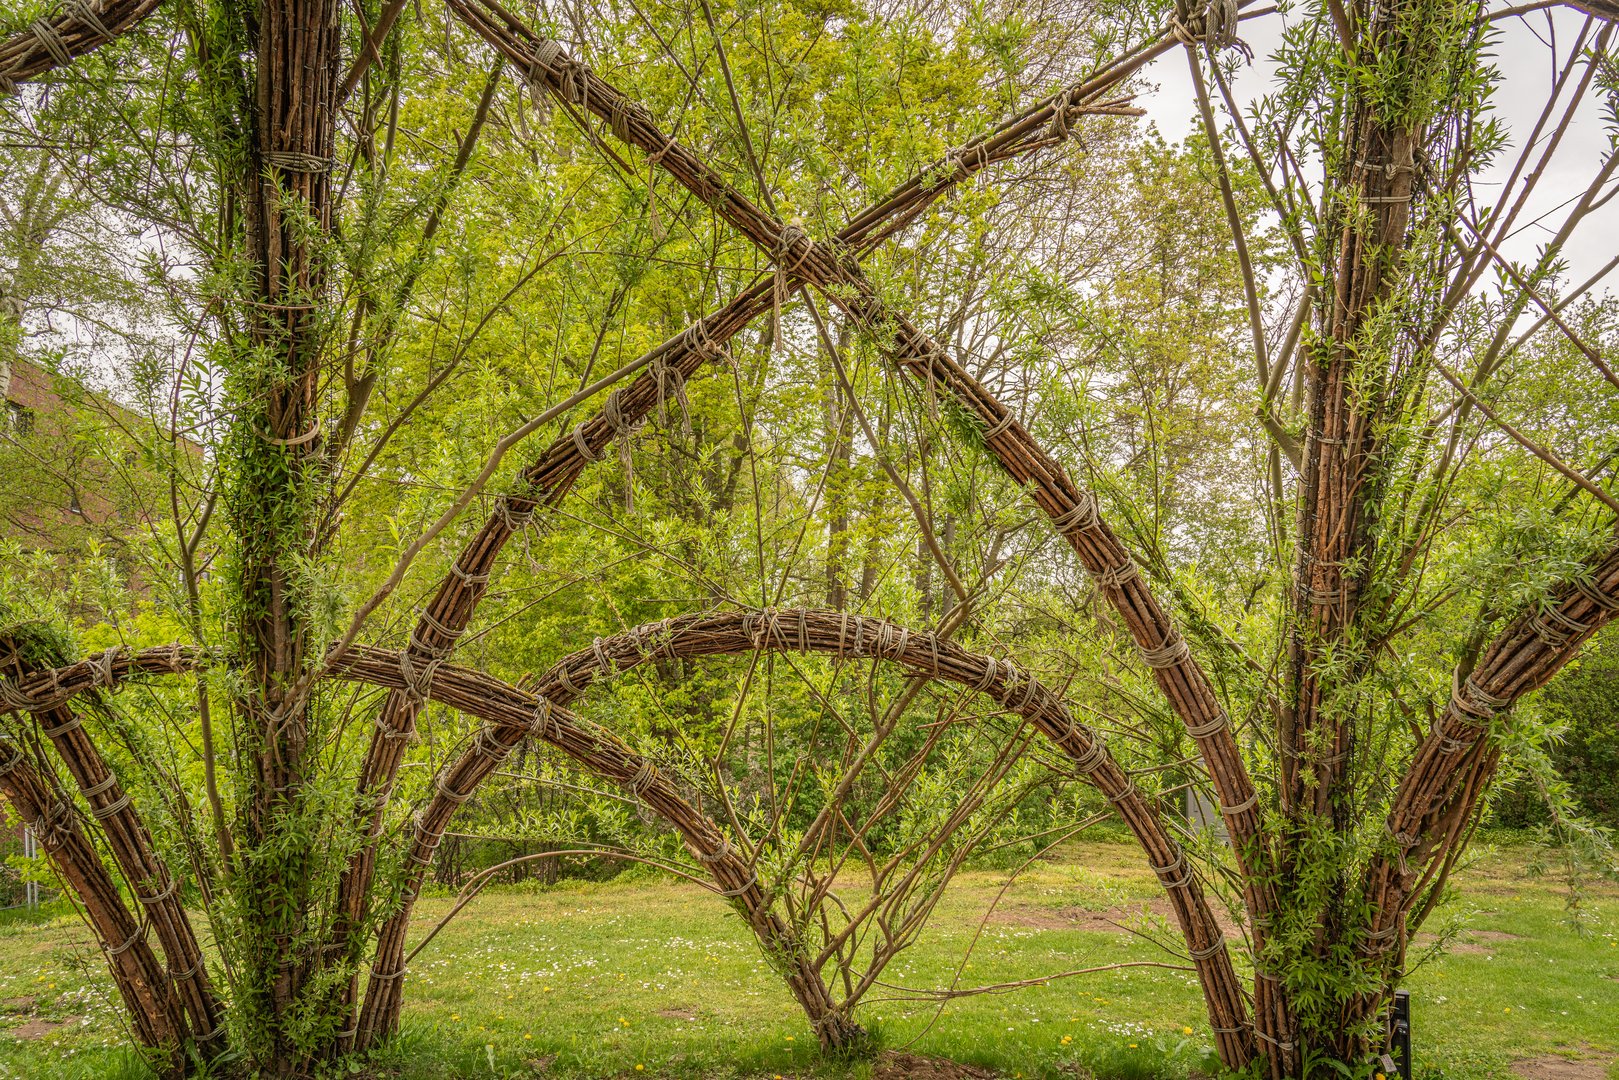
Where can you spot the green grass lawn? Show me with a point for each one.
(596, 980)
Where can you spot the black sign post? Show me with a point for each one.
(1398, 1058)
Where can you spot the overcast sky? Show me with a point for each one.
(1523, 50)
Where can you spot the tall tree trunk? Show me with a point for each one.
(277, 441)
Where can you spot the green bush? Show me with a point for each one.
(1583, 702)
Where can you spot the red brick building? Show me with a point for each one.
(71, 462)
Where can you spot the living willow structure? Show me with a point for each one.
(1347, 804)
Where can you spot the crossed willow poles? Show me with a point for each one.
(167, 1003)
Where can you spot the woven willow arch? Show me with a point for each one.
(512, 715)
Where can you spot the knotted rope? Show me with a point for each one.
(83, 12)
(45, 32)
(1059, 115)
(553, 68)
(296, 161)
(1083, 516)
(1171, 652)
(418, 680)
(515, 520)
(790, 236)
(1214, 24)
(670, 383)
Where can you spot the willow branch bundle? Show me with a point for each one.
(514, 714)
(149, 995)
(156, 889)
(54, 41)
(1073, 512)
(1522, 657)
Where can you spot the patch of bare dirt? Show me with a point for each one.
(18, 1004)
(1553, 1067)
(893, 1065)
(1493, 935)
(678, 1012)
(1114, 920)
(38, 1029)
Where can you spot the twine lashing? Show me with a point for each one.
(719, 856)
(1591, 592)
(74, 723)
(298, 162)
(88, 15)
(1178, 869)
(646, 775)
(157, 898)
(1556, 627)
(102, 788)
(1243, 807)
(1117, 577)
(129, 943)
(514, 520)
(1000, 427)
(1082, 516)
(45, 32)
(581, 444)
(1171, 652)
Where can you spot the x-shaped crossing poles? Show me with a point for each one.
(829, 269)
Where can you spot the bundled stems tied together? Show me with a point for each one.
(54, 41)
(514, 715)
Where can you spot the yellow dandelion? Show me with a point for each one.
(455, 1016)
(1186, 1031)
(528, 1034)
(1507, 1009)
(1132, 1046)
(639, 1067)
(1066, 1039)
(789, 1038)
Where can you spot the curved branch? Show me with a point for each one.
(514, 714)
(56, 41)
